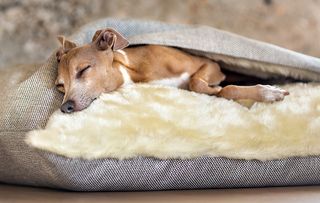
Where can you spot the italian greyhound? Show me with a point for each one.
(107, 63)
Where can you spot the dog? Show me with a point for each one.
(107, 63)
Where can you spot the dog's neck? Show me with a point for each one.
(121, 62)
(121, 57)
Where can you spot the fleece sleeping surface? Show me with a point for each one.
(28, 102)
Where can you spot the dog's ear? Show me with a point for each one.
(66, 46)
(96, 35)
(109, 39)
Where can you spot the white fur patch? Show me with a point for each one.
(164, 122)
(126, 60)
(272, 93)
(180, 81)
(125, 75)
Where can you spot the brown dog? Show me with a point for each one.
(104, 65)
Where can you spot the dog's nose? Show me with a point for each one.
(68, 107)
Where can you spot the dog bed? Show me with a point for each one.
(222, 145)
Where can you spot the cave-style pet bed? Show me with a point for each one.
(145, 137)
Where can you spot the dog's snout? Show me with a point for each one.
(68, 106)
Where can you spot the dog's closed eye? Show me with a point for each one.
(81, 72)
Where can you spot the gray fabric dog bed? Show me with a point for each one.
(27, 104)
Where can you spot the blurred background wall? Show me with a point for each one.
(28, 28)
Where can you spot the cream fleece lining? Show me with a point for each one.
(164, 122)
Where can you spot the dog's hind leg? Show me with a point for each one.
(206, 80)
(260, 93)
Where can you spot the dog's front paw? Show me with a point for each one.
(272, 94)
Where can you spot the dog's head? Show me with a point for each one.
(86, 71)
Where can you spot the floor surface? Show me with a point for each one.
(17, 194)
